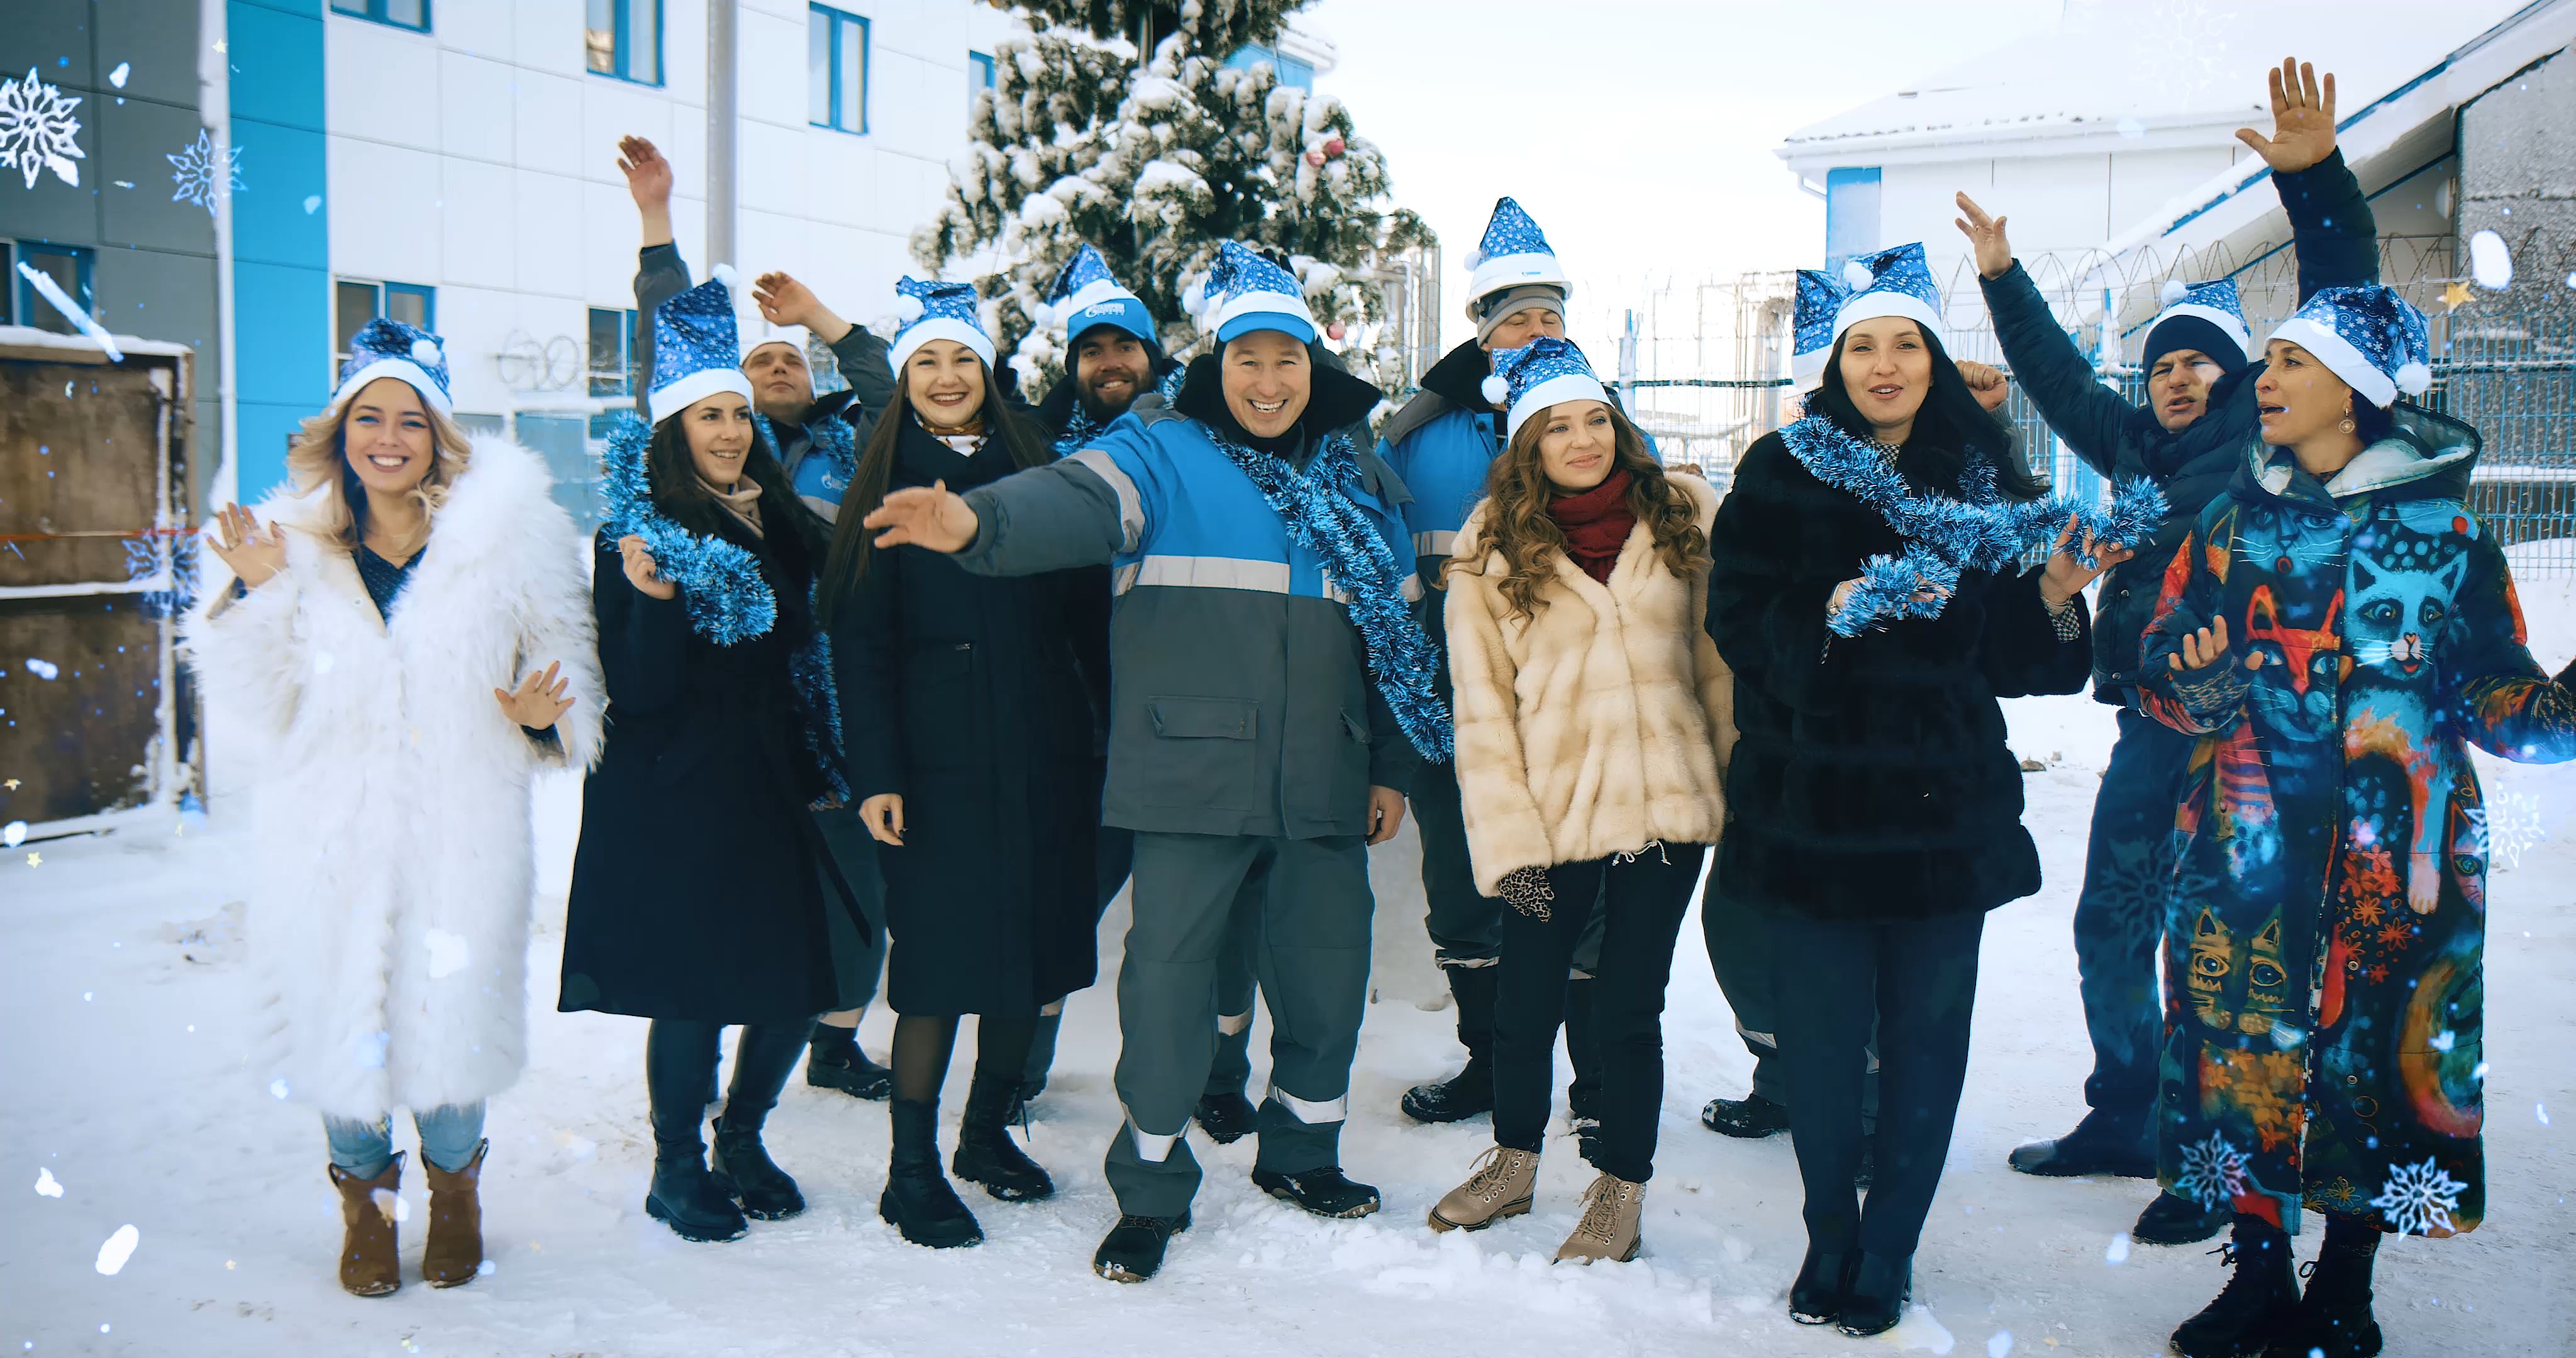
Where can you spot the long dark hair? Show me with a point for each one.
(846, 564)
(682, 495)
(1947, 429)
(1518, 527)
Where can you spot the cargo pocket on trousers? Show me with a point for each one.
(1206, 752)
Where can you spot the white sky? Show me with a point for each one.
(1637, 132)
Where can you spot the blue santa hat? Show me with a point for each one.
(2203, 316)
(932, 310)
(697, 349)
(1246, 292)
(1085, 295)
(385, 348)
(1513, 253)
(1538, 375)
(1893, 282)
(2370, 337)
(1820, 298)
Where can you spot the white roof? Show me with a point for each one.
(2150, 73)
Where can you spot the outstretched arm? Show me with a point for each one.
(2503, 701)
(2331, 227)
(859, 354)
(2059, 378)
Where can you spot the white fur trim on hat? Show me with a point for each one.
(691, 388)
(1096, 291)
(402, 370)
(938, 328)
(2227, 324)
(1886, 302)
(1511, 271)
(1808, 370)
(1288, 313)
(2340, 358)
(1562, 387)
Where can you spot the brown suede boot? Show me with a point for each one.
(455, 1249)
(370, 1260)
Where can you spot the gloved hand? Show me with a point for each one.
(1526, 890)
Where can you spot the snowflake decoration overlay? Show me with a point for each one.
(195, 172)
(36, 130)
(2213, 1172)
(2419, 1199)
(2511, 824)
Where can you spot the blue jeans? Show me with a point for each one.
(2119, 917)
(448, 1138)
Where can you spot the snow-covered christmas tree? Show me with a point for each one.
(1155, 159)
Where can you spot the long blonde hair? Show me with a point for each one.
(318, 460)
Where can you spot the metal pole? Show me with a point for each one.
(722, 124)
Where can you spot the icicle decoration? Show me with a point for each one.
(1401, 658)
(1948, 537)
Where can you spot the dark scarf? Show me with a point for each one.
(1596, 524)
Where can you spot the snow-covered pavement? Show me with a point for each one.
(129, 1102)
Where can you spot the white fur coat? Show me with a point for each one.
(1599, 724)
(389, 794)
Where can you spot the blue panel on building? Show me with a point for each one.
(281, 253)
(1851, 214)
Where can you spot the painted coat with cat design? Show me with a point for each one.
(2324, 963)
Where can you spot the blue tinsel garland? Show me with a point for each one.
(819, 694)
(1949, 537)
(1079, 431)
(1322, 520)
(720, 583)
(832, 436)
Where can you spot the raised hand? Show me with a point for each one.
(1988, 384)
(642, 571)
(784, 301)
(648, 176)
(1986, 234)
(254, 553)
(540, 699)
(932, 518)
(2303, 119)
(2067, 575)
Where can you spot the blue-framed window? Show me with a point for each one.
(67, 265)
(612, 352)
(1851, 213)
(1290, 70)
(411, 14)
(836, 69)
(355, 301)
(979, 77)
(623, 39)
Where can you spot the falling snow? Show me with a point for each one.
(118, 1249)
(46, 1184)
(195, 172)
(37, 130)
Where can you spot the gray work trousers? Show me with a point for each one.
(1310, 936)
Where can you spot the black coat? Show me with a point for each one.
(1871, 778)
(2337, 245)
(977, 699)
(699, 889)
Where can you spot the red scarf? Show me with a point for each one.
(1596, 524)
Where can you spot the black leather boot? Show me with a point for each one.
(2172, 1220)
(2100, 1144)
(1133, 1249)
(1748, 1117)
(2256, 1306)
(985, 1152)
(763, 1059)
(1326, 1192)
(836, 1062)
(918, 1200)
(1823, 1286)
(1470, 1091)
(1881, 1285)
(679, 1072)
(2334, 1316)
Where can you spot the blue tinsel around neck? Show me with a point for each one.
(720, 584)
(1947, 537)
(1321, 519)
(1079, 431)
(831, 435)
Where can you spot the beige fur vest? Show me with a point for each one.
(1596, 726)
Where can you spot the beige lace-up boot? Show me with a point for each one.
(1608, 1230)
(1499, 1187)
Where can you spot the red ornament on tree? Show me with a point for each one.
(1335, 147)
(1314, 157)
(1333, 332)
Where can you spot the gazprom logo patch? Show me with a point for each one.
(1105, 309)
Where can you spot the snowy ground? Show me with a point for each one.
(121, 988)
